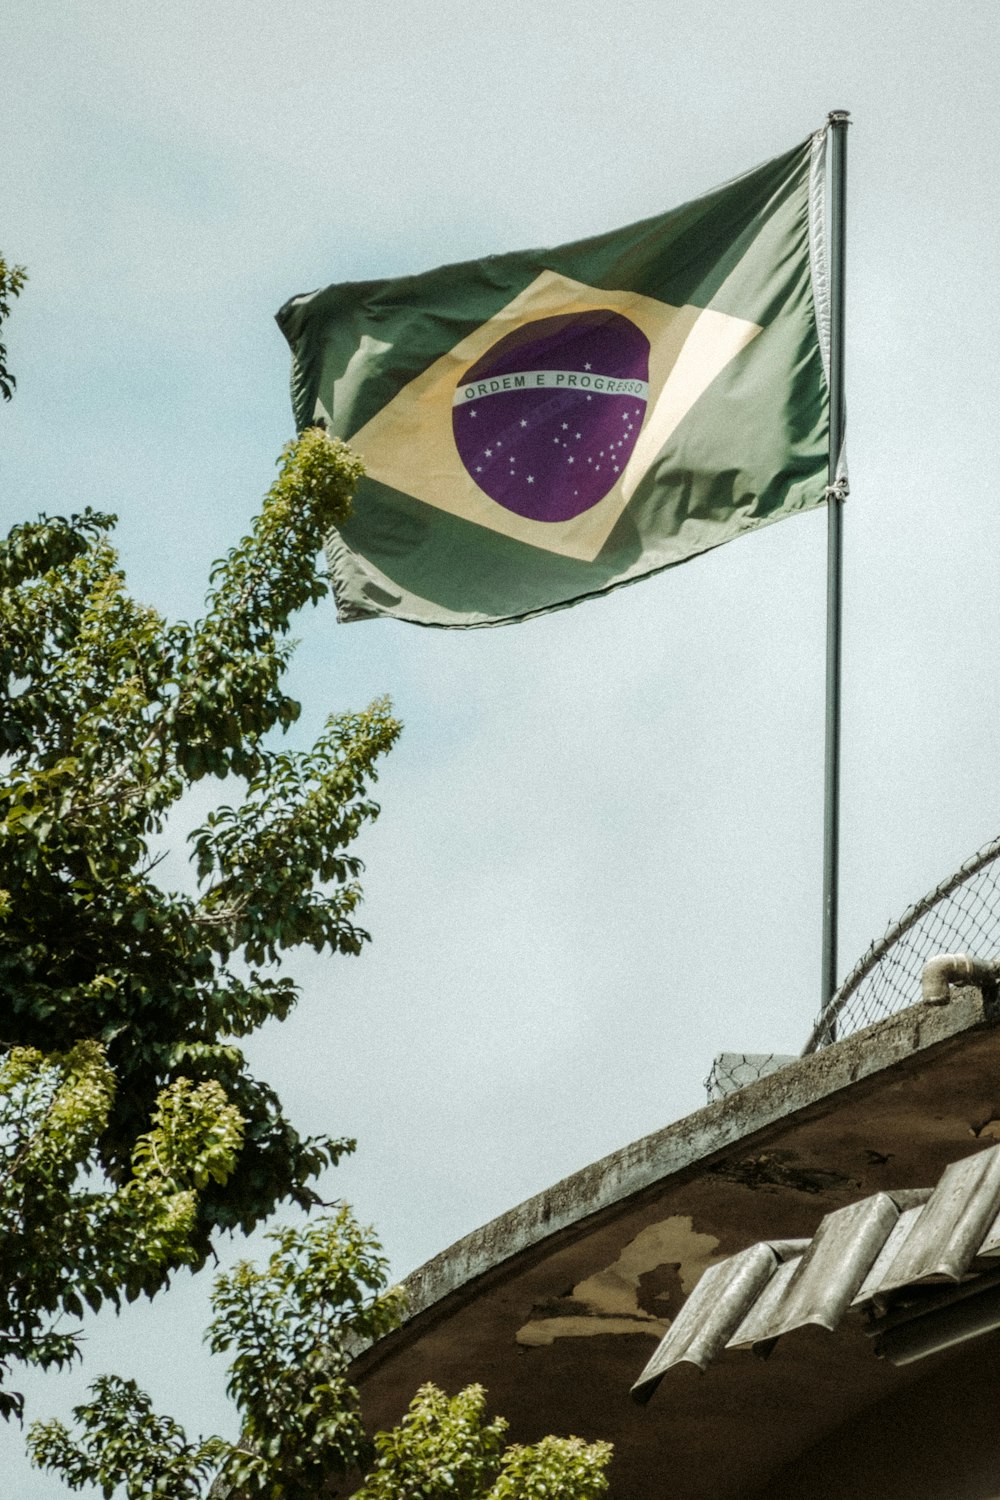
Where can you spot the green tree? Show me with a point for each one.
(290, 1327)
(130, 1127)
(444, 1449)
(108, 714)
(12, 279)
(64, 1237)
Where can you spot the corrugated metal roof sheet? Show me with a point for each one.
(870, 1255)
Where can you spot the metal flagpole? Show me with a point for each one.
(839, 120)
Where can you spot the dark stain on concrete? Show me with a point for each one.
(562, 1307)
(778, 1169)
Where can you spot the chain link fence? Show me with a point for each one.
(734, 1070)
(961, 915)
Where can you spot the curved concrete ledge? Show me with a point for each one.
(557, 1305)
(692, 1141)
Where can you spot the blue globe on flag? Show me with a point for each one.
(546, 420)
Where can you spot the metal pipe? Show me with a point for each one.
(838, 122)
(969, 1317)
(946, 969)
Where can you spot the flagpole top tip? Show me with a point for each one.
(839, 117)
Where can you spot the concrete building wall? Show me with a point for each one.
(939, 1439)
(557, 1306)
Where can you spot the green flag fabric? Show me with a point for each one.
(544, 426)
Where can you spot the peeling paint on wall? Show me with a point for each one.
(608, 1301)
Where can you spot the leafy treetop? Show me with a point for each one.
(130, 1126)
(67, 1238)
(12, 279)
(289, 1327)
(108, 714)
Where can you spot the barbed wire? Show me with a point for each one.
(961, 914)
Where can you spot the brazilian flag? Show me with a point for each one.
(544, 426)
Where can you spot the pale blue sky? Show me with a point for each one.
(599, 856)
